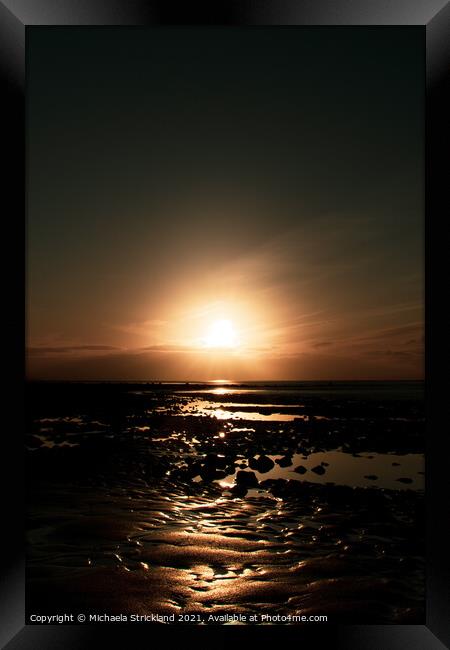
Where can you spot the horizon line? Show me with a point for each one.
(218, 381)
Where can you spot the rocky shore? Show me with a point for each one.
(138, 505)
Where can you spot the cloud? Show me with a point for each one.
(161, 364)
(141, 328)
(409, 329)
(166, 348)
(399, 354)
(64, 349)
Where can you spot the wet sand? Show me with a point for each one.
(138, 504)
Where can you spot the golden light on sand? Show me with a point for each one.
(221, 334)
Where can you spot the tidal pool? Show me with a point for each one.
(363, 470)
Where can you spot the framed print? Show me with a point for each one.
(221, 421)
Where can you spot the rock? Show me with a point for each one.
(405, 480)
(278, 487)
(208, 473)
(211, 460)
(238, 490)
(371, 477)
(284, 462)
(301, 469)
(266, 462)
(318, 469)
(248, 479)
(268, 483)
(324, 463)
(290, 488)
(221, 462)
(262, 464)
(194, 469)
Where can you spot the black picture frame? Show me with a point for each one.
(17, 17)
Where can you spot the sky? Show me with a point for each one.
(237, 203)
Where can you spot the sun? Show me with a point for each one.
(221, 334)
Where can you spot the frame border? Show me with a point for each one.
(16, 18)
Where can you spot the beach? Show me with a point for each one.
(206, 502)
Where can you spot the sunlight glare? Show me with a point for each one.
(221, 334)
